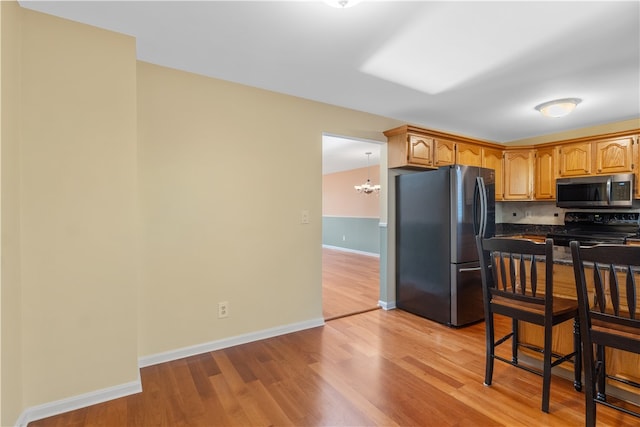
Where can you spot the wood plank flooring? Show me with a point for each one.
(350, 283)
(375, 368)
(378, 368)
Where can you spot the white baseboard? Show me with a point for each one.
(355, 251)
(180, 353)
(76, 402)
(387, 305)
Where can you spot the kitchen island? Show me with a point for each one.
(618, 363)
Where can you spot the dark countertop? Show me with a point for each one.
(506, 229)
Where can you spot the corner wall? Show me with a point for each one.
(11, 365)
(78, 209)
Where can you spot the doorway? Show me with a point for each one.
(350, 226)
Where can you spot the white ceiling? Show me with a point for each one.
(472, 68)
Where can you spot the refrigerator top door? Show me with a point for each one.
(463, 214)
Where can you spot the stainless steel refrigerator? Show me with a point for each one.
(438, 215)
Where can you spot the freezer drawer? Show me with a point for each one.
(466, 294)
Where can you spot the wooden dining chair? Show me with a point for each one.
(607, 286)
(511, 287)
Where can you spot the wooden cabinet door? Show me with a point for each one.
(420, 150)
(545, 174)
(445, 152)
(469, 154)
(492, 159)
(518, 174)
(614, 155)
(575, 159)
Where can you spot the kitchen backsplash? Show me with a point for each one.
(529, 213)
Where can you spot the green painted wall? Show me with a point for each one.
(359, 234)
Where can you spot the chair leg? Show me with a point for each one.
(590, 383)
(515, 340)
(490, 349)
(590, 404)
(601, 374)
(546, 370)
(577, 358)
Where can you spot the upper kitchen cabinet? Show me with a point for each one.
(518, 175)
(614, 155)
(415, 148)
(409, 149)
(469, 154)
(492, 158)
(445, 152)
(545, 174)
(575, 159)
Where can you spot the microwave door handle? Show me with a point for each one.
(609, 191)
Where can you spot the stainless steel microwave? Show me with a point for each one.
(601, 191)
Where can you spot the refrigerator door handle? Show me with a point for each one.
(462, 270)
(481, 196)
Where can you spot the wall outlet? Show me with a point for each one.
(304, 216)
(223, 309)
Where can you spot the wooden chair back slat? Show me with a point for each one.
(503, 272)
(534, 276)
(613, 290)
(631, 293)
(598, 284)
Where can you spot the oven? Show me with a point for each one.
(593, 228)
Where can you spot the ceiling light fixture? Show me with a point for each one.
(367, 188)
(342, 4)
(558, 107)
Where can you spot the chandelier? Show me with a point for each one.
(367, 188)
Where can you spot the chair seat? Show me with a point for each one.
(620, 330)
(560, 305)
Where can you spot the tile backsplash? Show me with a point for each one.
(529, 213)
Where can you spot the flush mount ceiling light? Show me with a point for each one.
(342, 4)
(558, 107)
(367, 188)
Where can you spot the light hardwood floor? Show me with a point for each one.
(350, 283)
(376, 368)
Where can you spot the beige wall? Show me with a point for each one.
(78, 209)
(11, 368)
(225, 171)
(340, 199)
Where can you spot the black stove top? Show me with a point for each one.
(592, 228)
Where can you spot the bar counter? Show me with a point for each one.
(619, 363)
